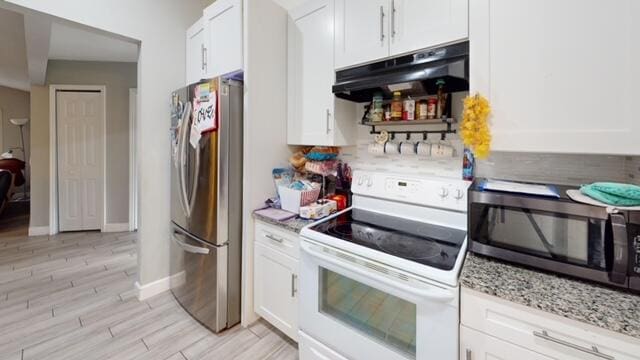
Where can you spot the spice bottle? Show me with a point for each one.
(442, 99)
(422, 110)
(396, 106)
(377, 110)
(431, 108)
(409, 109)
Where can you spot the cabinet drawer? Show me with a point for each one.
(281, 240)
(475, 345)
(544, 333)
(310, 349)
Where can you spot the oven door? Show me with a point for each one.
(362, 309)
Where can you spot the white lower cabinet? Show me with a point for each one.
(493, 328)
(276, 281)
(475, 345)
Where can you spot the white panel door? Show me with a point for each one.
(275, 292)
(361, 31)
(223, 41)
(196, 52)
(562, 76)
(80, 135)
(475, 345)
(419, 24)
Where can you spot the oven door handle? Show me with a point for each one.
(435, 294)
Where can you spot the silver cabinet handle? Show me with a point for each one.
(593, 351)
(328, 121)
(202, 55)
(274, 238)
(468, 356)
(393, 18)
(294, 277)
(382, 24)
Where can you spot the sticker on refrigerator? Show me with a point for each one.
(204, 110)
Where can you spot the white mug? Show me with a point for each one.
(407, 148)
(442, 150)
(424, 148)
(375, 149)
(392, 148)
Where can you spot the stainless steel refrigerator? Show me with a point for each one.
(206, 200)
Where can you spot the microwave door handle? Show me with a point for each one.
(620, 240)
(435, 294)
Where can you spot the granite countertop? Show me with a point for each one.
(295, 224)
(590, 303)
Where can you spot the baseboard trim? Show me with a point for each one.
(38, 230)
(116, 227)
(156, 287)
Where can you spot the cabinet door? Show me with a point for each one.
(562, 76)
(419, 24)
(195, 52)
(223, 24)
(475, 345)
(315, 116)
(275, 282)
(362, 31)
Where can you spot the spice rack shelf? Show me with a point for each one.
(443, 133)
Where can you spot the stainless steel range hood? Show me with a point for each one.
(415, 75)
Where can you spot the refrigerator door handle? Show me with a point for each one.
(196, 175)
(189, 248)
(182, 156)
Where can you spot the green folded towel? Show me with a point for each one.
(613, 193)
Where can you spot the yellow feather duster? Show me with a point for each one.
(474, 129)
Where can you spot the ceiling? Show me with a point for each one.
(13, 53)
(74, 42)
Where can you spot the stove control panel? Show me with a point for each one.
(426, 191)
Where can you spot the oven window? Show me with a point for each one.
(561, 237)
(385, 318)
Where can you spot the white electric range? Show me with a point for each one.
(380, 279)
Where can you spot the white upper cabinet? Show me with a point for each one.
(417, 24)
(361, 31)
(370, 30)
(562, 76)
(223, 37)
(195, 52)
(315, 115)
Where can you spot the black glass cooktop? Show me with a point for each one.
(427, 244)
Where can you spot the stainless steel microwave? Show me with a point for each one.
(557, 235)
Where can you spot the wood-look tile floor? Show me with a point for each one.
(71, 297)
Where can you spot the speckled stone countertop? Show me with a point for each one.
(295, 224)
(577, 300)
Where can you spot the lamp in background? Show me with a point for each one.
(21, 124)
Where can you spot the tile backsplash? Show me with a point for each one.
(568, 169)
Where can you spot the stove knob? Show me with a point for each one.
(459, 194)
(444, 192)
(360, 181)
(369, 182)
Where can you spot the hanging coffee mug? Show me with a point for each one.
(442, 150)
(407, 148)
(392, 148)
(424, 148)
(376, 148)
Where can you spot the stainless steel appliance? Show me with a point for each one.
(556, 234)
(206, 202)
(415, 74)
(380, 280)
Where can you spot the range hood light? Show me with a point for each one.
(400, 87)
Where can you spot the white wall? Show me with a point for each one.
(160, 25)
